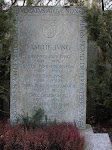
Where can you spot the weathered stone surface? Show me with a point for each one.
(87, 130)
(48, 68)
(97, 141)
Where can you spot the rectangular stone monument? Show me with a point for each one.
(48, 66)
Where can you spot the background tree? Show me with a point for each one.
(99, 24)
(6, 28)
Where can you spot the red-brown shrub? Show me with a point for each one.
(60, 136)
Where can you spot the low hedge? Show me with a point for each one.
(59, 136)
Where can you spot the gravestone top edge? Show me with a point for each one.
(50, 10)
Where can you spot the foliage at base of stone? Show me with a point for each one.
(35, 120)
(61, 136)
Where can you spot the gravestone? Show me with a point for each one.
(48, 66)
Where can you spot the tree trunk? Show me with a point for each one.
(102, 5)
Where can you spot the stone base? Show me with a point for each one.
(96, 141)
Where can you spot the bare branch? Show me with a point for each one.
(23, 2)
(58, 2)
(4, 111)
(48, 2)
(13, 3)
(38, 2)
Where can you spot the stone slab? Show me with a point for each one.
(87, 130)
(97, 141)
(48, 64)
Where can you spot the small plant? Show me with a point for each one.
(34, 121)
(37, 116)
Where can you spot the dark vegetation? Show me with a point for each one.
(6, 32)
(99, 84)
(99, 24)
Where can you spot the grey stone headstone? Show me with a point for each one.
(49, 61)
